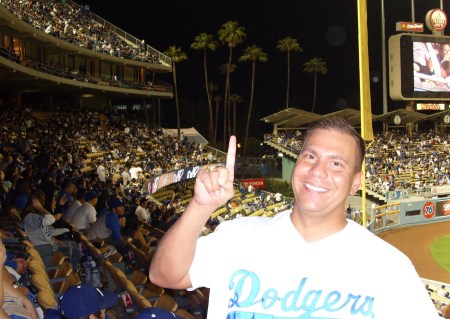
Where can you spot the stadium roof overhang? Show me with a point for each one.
(290, 118)
(351, 115)
(405, 115)
(436, 117)
(293, 118)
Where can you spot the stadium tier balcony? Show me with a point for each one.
(60, 45)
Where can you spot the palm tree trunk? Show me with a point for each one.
(250, 108)
(234, 118)
(229, 110)
(225, 102)
(288, 78)
(216, 121)
(208, 95)
(314, 92)
(176, 100)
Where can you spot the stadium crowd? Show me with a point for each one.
(76, 24)
(64, 175)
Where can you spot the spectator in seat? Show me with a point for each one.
(86, 215)
(13, 303)
(68, 192)
(108, 226)
(142, 212)
(79, 200)
(86, 301)
(37, 223)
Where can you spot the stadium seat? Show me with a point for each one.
(166, 302)
(46, 300)
(152, 292)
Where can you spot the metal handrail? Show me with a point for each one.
(57, 71)
(128, 37)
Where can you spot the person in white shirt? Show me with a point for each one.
(101, 172)
(135, 171)
(126, 177)
(278, 197)
(142, 212)
(86, 215)
(75, 204)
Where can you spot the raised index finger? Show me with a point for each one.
(231, 157)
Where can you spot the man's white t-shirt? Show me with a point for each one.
(262, 268)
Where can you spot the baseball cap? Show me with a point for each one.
(20, 202)
(83, 300)
(90, 195)
(156, 313)
(116, 202)
(51, 313)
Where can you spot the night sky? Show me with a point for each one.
(325, 29)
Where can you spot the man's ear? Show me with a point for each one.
(356, 183)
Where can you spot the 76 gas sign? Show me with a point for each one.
(428, 210)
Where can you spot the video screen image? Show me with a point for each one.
(431, 66)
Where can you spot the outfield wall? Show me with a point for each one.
(408, 212)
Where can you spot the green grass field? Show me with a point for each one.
(440, 250)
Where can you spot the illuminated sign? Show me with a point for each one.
(443, 208)
(430, 106)
(436, 20)
(255, 182)
(409, 26)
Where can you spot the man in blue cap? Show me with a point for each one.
(86, 301)
(108, 226)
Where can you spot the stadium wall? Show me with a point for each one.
(287, 165)
(409, 212)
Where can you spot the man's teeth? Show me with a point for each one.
(315, 188)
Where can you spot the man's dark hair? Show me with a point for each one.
(341, 125)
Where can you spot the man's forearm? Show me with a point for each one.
(175, 253)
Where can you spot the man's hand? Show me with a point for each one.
(63, 200)
(214, 187)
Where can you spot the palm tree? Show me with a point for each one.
(232, 34)
(205, 41)
(227, 70)
(253, 54)
(235, 99)
(177, 56)
(212, 87)
(217, 99)
(315, 65)
(288, 45)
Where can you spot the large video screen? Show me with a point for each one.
(419, 67)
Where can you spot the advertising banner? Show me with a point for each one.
(395, 195)
(440, 190)
(255, 182)
(443, 208)
(174, 177)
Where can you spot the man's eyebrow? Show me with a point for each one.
(307, 149)
(331, 156)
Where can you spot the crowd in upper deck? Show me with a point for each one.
(76, 24)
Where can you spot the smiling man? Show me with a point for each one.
(310, 262)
